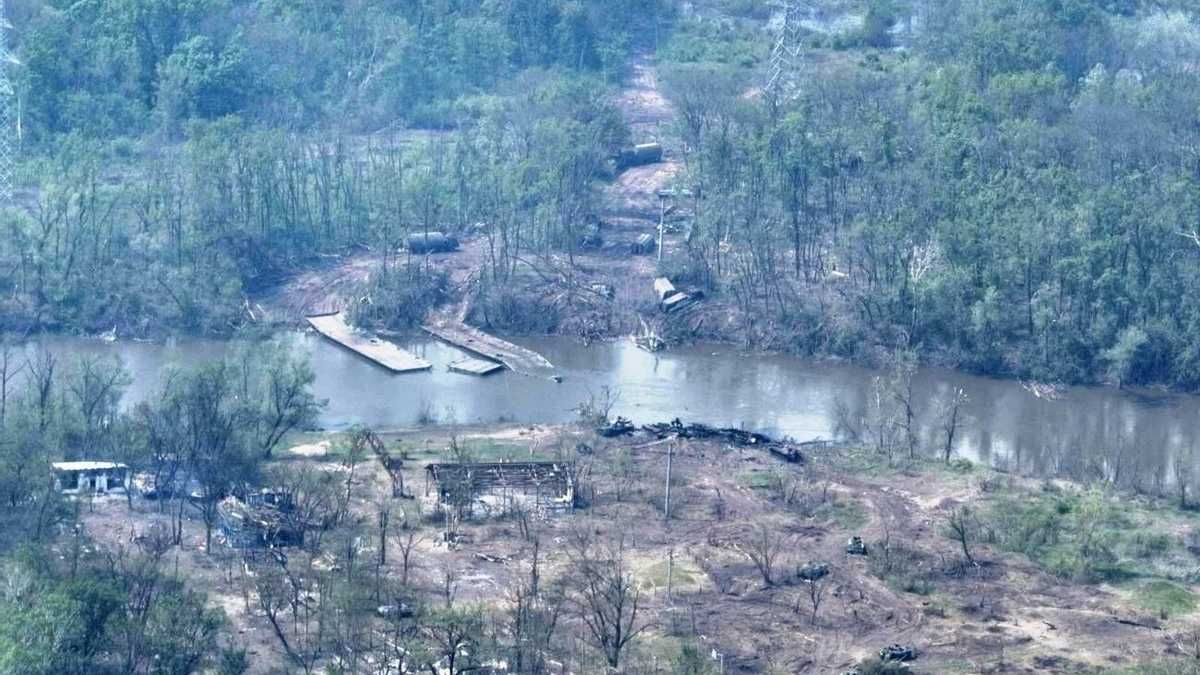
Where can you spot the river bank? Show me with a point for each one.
(1137, 439)
(1052, 577)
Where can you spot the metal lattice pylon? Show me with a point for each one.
(8, 151)
(784, 63)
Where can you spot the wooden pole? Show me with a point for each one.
(662, 219)
(667, 499)
(670, 570)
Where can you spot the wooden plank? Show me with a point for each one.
(517, 359)
(475, 367)
(380, 352)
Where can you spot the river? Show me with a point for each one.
(1086, 431)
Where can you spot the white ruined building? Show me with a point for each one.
(73, 478)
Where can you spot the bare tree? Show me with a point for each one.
(287, 402)
(763, 546)
(96, 385)
(41, 372)
(8, 371)
(1182, 468)
(606, 595)
(879, 421)
(455, 637)
(950, 416)
(814, 592)
(961, 527)
(533, 619)
(903, 370)
(407, 545)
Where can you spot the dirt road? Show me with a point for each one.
(634, 193)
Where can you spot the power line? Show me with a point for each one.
(784, 63)
(8, 149)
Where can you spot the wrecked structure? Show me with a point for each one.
(783, 449)
(671, 298)
(86, 477)
(545, 486)
(261, 521)
(643, 245)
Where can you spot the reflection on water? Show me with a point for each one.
(1089, 431)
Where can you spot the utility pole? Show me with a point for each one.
(7, 96)
(667, 499)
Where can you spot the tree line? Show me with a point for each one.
(1014, 192)
(134, 67)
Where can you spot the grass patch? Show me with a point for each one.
(847, 513)
(1085, 536)
(733, 43)
(1165, 598)
(756, 479)
(481, 450)
(1179, 667)
(683, 575)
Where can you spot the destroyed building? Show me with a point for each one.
(643, 245)
(75, 478)
(464, 485)
(260, 521)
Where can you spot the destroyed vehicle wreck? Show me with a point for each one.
(785, 450)
(544, 486)
(431, 242)
(258, 524)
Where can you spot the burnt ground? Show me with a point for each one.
(1005, 615)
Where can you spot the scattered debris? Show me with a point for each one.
(1043, 390)
(397, 611)
(621, 427)
(813, 571)
(856, 546)
(740, 437)
(671, 298)
(603, 290)
(677, 301)
(648, 338)
(474, 367)
(1151, 624)
(643, 245)
(261, 521)
(590, 240)
(897, 653)
(650, 342)
(663, 288)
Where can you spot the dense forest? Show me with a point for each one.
(1006, 186)
(1016, 191)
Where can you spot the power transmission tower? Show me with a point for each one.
(784, 63)
(8, 135)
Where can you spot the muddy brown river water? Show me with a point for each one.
(1092, 431)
